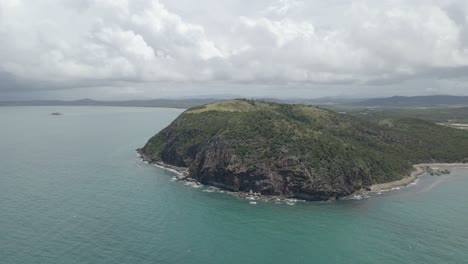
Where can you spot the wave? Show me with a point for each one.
(193, 184)
(360, 196)
(415, 182)
(166, 168)
(211, 189)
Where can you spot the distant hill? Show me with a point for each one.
(433, 114)
(416, 101)
(170, 103)
(173, 103)
(298, 150)
(330, 102)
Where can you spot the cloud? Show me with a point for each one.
(52, 44)
(375, 44)
(282, 7)
(137, 40)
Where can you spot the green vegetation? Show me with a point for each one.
(416, 101)
(436, 115)
(455, 117)
(336, 150)
(226, 106)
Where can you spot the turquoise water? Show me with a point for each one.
(73, 191)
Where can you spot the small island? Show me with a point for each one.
(298, 151)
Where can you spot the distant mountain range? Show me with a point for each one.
(416, 101)
(174, 103)
(170, 103)
(395, 101)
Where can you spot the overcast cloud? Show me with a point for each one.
(118, 49)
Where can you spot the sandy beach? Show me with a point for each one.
(418, 170)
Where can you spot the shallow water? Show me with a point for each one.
(72, 190)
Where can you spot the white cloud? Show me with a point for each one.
(78, 43)
(282, 7)
(100, 39)
(375, 43)
(423, 36)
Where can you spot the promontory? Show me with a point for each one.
(298, 151)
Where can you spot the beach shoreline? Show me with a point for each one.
(419, 170)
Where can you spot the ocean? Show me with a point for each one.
(73, 190)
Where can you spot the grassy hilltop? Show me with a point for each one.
(297, 150)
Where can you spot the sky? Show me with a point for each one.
(141, 49)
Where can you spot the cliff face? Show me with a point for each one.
(294, 150)
(218, 164)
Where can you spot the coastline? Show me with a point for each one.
(181, 172)
(182, 175)
(418, 171)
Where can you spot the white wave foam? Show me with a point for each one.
(211, 189)
(290, 201)
(415, 182)
(193, 184)
(360, 196)
(166, 168)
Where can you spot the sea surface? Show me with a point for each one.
(72, 190)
